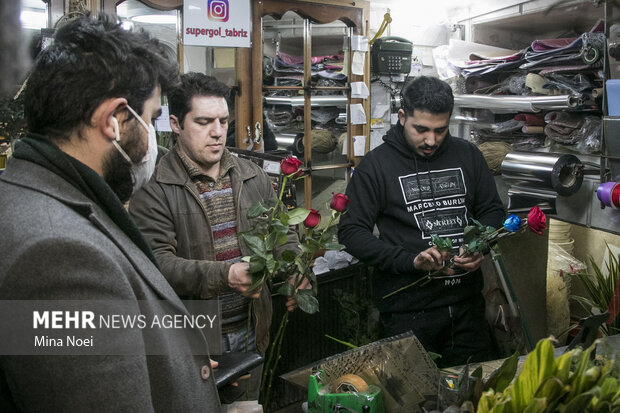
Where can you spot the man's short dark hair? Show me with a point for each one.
(92, 60)
(428, 94)
(193, 84)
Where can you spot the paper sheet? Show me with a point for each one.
(393, 118)
(359, 90)
(162, 123)
(376, 139)
(357, 65)
(379, 110)
(359, 145)
(358, 116)
(359, 43)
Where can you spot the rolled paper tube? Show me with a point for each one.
(531, 119)
(562, 173)
(615, 197)
(604, 191)
(533, 129)
(596, 92)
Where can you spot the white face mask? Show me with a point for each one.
(142, 171)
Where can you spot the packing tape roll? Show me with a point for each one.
(609, 194)
(561, 173)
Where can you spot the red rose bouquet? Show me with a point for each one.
(481, 238)
(270, 261)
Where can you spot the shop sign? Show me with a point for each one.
(224, 23)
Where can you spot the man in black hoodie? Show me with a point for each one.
(421, 182)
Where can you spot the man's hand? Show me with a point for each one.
(470, 262)
(239, 278)
(432, 259)
(291, 304)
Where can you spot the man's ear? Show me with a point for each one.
(175, 125)
(401, 117)
(102, 119)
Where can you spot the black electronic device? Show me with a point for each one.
(391, 55)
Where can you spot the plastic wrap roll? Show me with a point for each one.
(510, 103)
(561, 173)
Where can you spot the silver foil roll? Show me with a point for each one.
(510, 103)
(560, 173)
(329, 100)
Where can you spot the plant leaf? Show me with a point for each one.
(257, 209)
(254, 243)
(538, 367)
(501, 378)
(289, 256)
(297, 216)
(470, 232)
(270, 241)
(257, 264)
(307, 302)
(333, 246)
(286, 289)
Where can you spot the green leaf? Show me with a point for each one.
(257, 264)
(301, 266)
(307, 302)
(254, 243)
(271, 264)
(270, 241)
(284, 218)
(470, 232)
(309, 247)
(444, 244)
(501, 378)
(551, 391)
(297, 216)
(333, 246)
(578, 404)
(257, 209)
(536, 406)
(289, 256)
(537, 368)
(286, 289)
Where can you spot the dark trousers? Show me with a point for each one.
(459, 333)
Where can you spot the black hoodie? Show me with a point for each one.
(384, 191)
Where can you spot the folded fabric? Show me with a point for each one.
(570, 128)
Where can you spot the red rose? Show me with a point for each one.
(340, 202)
(290, 165)
(313, 219)
(536, 220)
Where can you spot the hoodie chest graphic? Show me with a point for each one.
(437, 201)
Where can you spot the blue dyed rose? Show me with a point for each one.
(512, 223)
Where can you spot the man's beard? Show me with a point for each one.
(116, 169)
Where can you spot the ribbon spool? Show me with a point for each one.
(561, 173)
(609, 194)
(350, 383)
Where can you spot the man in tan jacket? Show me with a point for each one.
(193, 209)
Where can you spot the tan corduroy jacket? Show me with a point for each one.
(172, 218)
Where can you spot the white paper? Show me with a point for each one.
(162, 123)
(359, 90)
(359, 145)
(376, 139)
(358, 116)
(357, 65)
(393, 118)
(378, 110)
(359, 43)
